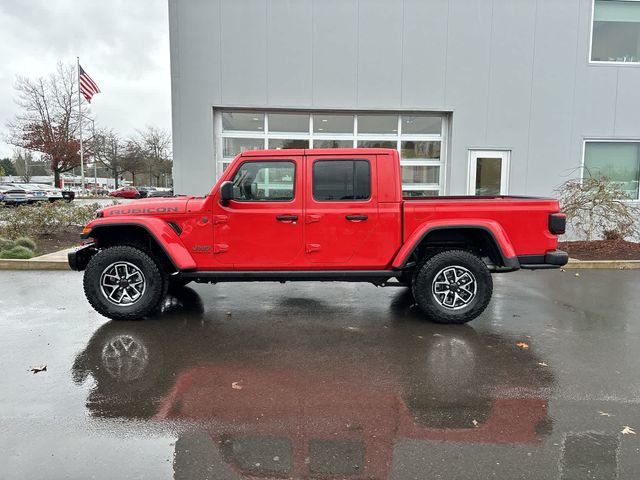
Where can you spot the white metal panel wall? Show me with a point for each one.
(514, 73)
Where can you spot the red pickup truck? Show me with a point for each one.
(316, 215)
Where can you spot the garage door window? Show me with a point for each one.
(417, 136)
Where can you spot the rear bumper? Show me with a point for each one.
(553, 259)
(79, 258)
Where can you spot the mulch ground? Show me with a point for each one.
(57, 241)
(602, 250)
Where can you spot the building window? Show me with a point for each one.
(419, 137)
(619, 162)
(616, 31)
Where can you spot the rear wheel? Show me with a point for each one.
(124, 283)
(453, 286)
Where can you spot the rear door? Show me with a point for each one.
(341, 210)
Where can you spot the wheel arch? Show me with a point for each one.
(487, 237)
(157, 238)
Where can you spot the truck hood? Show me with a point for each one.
(152, 206)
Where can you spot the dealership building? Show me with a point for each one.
(479, 96)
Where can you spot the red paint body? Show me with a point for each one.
(246, 235)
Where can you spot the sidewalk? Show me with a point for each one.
(58, 261)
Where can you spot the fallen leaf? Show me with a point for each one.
(39, 368)
(626, 430)
(236, 385)
(522, 345)
(604, 414)
(542, 364)
(475, 423)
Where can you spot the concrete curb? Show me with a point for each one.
(33, 264)
(51, 261)
(602, 264)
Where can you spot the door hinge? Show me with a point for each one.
(218, 219)
(312, 247)
(312, 218)
(220, 247)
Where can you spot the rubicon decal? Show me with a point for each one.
(132, 211)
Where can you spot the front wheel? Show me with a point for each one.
(452, 287)
(123, 283)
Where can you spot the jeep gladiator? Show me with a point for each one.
(316, 215)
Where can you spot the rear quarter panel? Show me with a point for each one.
(523, 221)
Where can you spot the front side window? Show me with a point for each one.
(616, 31)
(619, 162)
(264, 182)
(341, 180)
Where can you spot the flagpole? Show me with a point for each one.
(80, 117)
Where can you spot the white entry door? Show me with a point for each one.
(489, 172)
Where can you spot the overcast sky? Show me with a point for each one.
(122, 44)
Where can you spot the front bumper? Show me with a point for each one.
(552, 259)
(79, 258)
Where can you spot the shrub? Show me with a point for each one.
(44, 219)
(26, 242)
(17, 251)
(6, 244)
(598, 207)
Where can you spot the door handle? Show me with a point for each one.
(356, 218)
(287, 218)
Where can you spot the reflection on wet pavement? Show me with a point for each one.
(291, 406)
(326, 381)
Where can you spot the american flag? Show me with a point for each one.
(87, 86)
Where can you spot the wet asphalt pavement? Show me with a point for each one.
(314, 380)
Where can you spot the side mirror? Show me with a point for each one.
(226, 193)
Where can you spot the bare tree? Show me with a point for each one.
(23, 160)
(109, 149)
(597, 205)
(155, 146)
(48, 120)
(133, 160)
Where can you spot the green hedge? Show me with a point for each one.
(44, 219)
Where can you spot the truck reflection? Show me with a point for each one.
(260, 404)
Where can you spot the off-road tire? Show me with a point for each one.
(423, 282)
(154, 291)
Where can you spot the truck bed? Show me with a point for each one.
(524, 220)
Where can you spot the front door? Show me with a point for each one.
(488, 172)
(341, 210)
(262, 226)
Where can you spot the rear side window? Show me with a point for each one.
(340, 180)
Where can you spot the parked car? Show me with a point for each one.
(125, 192)
(11, 195)
(158, 192)
(317, 215)
(146, 191)
(68, 195)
